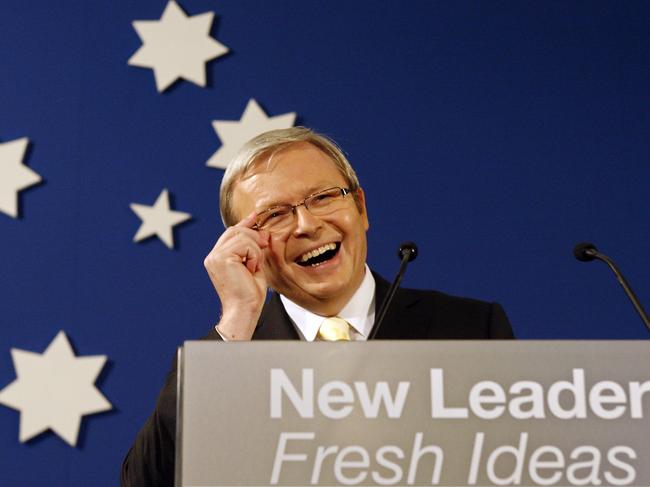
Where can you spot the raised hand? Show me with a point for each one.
(236, 268)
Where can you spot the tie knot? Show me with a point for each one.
(334, 329)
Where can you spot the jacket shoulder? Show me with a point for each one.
(431, 314)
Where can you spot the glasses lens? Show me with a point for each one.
(325, 201)
(275, 218)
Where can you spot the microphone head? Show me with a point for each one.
(585, 251)
(408, 248)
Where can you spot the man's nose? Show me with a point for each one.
(306, 223)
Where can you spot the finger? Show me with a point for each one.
(263, 238)
(253, 260)
(246, 250)
(251, 265)
(260, 263)
(243, 245)
(240, 234)
(249, 221)
(234, 245)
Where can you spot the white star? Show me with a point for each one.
(158, 220)
(54, 390)
(235, 134)
(14, 176)
(176, 46)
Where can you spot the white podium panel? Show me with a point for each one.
(445, 413)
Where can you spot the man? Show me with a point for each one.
(296, 222)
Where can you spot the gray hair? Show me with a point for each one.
(263, 147)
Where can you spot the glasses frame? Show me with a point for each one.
(344, 193)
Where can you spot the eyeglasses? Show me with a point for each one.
(281, 217)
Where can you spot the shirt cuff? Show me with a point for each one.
(223, 337)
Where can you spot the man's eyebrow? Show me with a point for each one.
(311, 190)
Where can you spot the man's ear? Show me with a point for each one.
(360, 200)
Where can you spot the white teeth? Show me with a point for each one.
(313, 253)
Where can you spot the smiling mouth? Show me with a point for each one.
(317, 256)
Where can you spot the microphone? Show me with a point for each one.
(409, 249)
(586, 252)
(407, 252)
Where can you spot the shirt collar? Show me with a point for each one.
(359, 311)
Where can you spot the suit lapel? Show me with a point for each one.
(399, 322)
(274, 322)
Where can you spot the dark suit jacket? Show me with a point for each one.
(413, 315)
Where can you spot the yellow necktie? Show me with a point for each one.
(334, 329)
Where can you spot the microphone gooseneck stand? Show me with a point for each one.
(407, 252)
(586, 252)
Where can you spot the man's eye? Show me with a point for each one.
(319, 198)
(277, 214)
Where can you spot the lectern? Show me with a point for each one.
(447, 413)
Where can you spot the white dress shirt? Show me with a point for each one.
(359, 312)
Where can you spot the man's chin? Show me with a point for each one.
(326, 290)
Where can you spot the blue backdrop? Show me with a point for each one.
(494, 134)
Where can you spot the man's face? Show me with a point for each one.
(292, 174)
